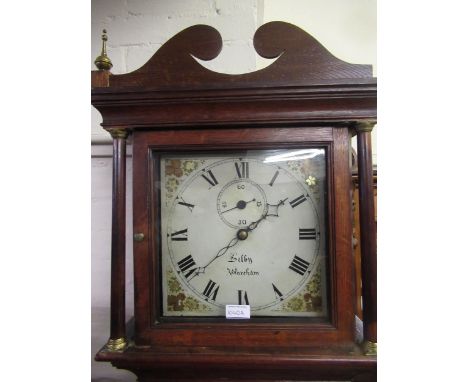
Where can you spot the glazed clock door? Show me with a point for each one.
(246, 228)
(245, 216)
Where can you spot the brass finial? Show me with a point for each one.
(103, 62)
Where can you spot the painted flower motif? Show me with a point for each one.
(175, 302)
(296, 304)
(308, 167)
(188, 166)
(173, 167)
(294, 165)
(313, 286)
(194, 305)
(172, 184)
(317, 303)
(309, 299)
(311, 181)
(312, 303)
(174, 285)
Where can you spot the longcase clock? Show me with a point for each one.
(242, 204)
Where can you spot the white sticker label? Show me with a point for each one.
(238, 311)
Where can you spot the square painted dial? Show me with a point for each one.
(244, 228)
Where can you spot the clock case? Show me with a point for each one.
(305, 98)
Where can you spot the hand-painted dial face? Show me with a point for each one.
(244, 229)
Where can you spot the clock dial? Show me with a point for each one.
(241, 201)
(243, 229)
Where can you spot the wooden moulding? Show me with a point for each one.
(300, 61)
(305, 84)
(100, 78)
(231, 364)
(306, 87)
(357, 234)
(368, 232)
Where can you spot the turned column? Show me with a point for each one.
(368, 231)
(117, 340)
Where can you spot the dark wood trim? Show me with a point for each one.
(244, 364)
(117, 325)
(143, 249)
(305, 84)
(286, 106)
(368, 233)
(357, 234)
(301, 60)
(100, 78)
(342, 221)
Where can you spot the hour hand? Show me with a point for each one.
(272, 210)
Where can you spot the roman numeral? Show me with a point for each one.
(210, 291)
(274, 178)
(210, 178)
(242, 169)
(297, 201)
(188, 205)
(299, 265)
(180, 235)
(278, 294)
(185, 264)
(242, 299)
(307, 234)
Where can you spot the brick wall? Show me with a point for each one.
(137, 28)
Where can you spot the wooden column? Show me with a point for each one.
(368, 236)
(117, 340)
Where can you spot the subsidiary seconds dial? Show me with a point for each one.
(240, 202)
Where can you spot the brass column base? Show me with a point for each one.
(369, 348)
(115, 345)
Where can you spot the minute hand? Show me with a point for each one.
(220, 253)
(235, 240)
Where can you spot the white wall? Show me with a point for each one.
(347, 28)
(136, 29)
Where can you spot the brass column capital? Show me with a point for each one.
(115, 345)
(118, 133)
(364, 126)
(369, 348)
